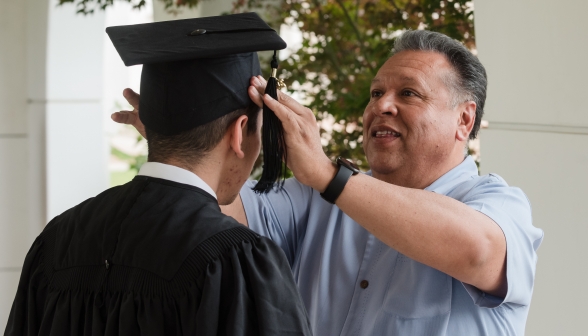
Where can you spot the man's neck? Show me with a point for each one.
(422, 176)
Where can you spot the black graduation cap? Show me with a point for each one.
(198, 70)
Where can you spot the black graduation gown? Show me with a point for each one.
(154, 257)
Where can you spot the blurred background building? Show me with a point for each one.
(60, 78)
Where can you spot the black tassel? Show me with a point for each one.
(272, 139)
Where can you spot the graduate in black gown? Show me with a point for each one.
(156, 256)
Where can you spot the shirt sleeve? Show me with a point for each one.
(281, 214)
(250, 290)
(510, 209)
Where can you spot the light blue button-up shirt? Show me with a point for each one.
(353, 284)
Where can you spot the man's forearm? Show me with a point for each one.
(435, 230)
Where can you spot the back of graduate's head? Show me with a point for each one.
(199, 116)
(190, 148)
(224, 150)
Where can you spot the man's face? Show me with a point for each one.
(409, 123)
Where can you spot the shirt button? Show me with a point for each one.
(364, 284)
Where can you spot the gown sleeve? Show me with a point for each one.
(29, 302)
(250, 291)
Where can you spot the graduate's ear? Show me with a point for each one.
(236, 133)
(467, 118)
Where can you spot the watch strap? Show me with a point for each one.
(335, 188)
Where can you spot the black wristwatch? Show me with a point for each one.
(334, 189)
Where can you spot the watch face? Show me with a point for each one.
(349, 164)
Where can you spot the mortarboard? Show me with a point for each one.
(198, 70)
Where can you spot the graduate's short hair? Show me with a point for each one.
(190, 146)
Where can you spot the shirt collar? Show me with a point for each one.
(462, 172)
(175, 174)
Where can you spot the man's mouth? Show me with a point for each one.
(385, 134)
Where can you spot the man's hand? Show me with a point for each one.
(306, 157)
(130, 117)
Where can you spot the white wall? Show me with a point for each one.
(535, 53)
(76, 148)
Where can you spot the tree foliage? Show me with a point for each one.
(88, 6)
(344, 42)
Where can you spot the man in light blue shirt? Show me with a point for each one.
(421, 245)
(388, 258)
(354, 284)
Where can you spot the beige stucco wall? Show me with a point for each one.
(535, 53)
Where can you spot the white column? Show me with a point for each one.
(75, 147)
(535, 52)
(37, 17)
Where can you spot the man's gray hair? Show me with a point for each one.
(469, 82)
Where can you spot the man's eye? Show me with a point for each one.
(376, 93)
(408, 93)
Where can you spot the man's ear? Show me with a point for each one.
(236, 132)
(467, 118)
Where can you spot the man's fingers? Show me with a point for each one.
(259, 83)
(255, 96)
(292, 104)
(282, 112)
(262, 81)
(125, 117)
(132, 97)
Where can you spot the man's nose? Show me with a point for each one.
(386, 106)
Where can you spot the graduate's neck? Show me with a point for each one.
(217, 172)
(201, 169)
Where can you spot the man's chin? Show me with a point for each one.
(383, 166)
